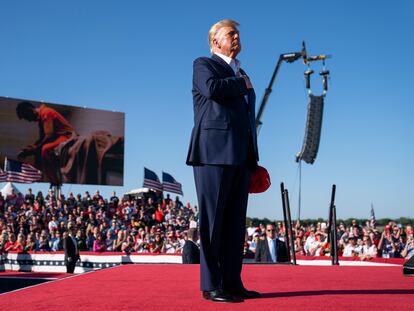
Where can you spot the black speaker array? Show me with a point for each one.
(312, 137)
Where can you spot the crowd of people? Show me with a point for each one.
(356, 240)
(153, 224)
(31, 222)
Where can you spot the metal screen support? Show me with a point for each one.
(332, 228)
(285, 221)
(289, 227)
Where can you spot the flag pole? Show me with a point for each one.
(5, 161)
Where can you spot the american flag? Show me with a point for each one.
(151, 180)
(3, 176)
(21, 172)
(372, 220)
(170, 184)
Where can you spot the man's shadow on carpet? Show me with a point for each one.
(341, 292)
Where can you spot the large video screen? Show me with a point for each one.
(67, 144)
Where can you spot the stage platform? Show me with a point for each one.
(176, 287)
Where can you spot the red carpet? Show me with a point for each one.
(175, 287)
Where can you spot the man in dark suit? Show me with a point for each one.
(191, 252)
(271, 249)
(223, 151)
(71, 249)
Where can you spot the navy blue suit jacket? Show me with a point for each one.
(224, 123)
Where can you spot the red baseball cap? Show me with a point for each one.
(259, 180)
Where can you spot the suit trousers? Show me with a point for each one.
(70, 266)
(222, 192)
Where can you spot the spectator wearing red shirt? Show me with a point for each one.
(19, 245)
(9, 246)
(159, 214)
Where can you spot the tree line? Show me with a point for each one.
(308, 221)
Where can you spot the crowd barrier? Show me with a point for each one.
(54, 261)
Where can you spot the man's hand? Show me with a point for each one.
(248, 83)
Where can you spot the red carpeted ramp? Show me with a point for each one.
(176, 287)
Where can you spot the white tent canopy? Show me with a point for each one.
(7, 189)
(137, 191)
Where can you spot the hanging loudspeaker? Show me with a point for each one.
(313, 130)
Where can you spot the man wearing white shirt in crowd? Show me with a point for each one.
(359, 247)
(311, 244)
(369, 250)
(349, 250)
(53, 224)
(251, 229)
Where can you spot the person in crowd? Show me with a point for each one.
(299, 240)
(99, 245)
(30, 243)
(358, 250)
(97, 197)
(53, 224)
(90, 236)
(312, 243)
(128, 246)
(143, 244)
(70, 247)
(121, 238)
(171, 245)
(44, 242)
(387, 244)
(253, 243)
(159, 214)
(55, 241)
(408, 250)
(81, 240)
(271, 249)
(29, 197)
(19, 245)
(158, 246)
(349, 249)
(109, 241)
(369, 250)
(191, 250)
(114, 199)
(8, 241)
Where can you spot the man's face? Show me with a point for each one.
(227, 41)
(270, 231)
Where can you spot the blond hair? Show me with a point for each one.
(216, 27)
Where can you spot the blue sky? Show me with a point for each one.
(136, 57)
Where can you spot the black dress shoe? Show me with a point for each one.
(220, 296)
(245, 294)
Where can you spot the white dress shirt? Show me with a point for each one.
(232, 62)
